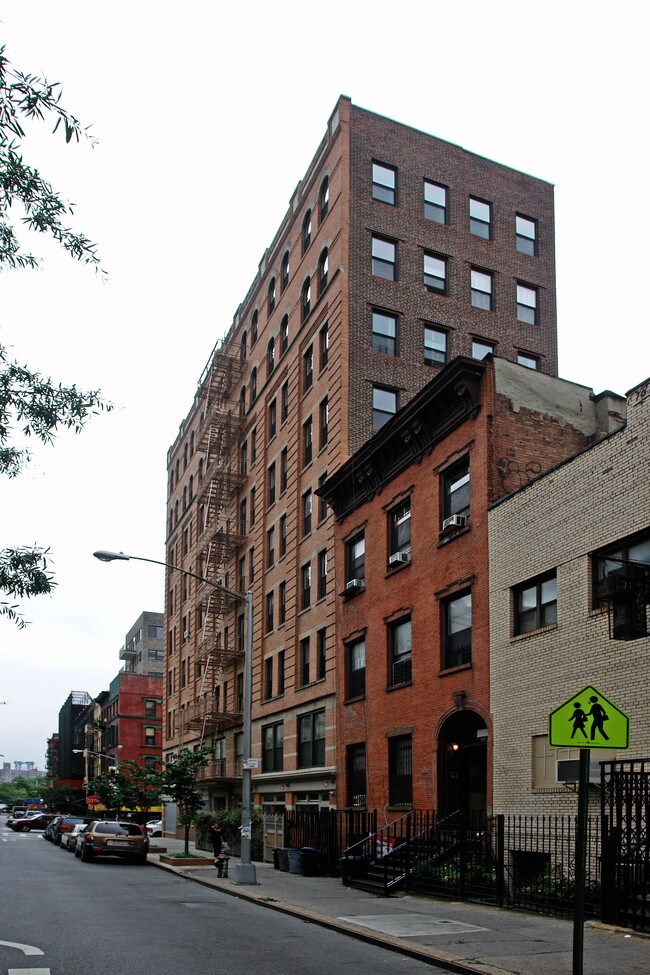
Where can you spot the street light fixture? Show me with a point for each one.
(88, 751)
(245, 869)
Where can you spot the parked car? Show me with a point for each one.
(119, 839)
(70, 838)
(40, 821)
(64, 825)
(154, 827)
(48, 832)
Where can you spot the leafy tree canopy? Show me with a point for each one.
(35, 404)
(179, 784)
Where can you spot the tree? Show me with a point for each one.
(27, 398)
(179, 783)
(142, 786)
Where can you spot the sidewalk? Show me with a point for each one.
(466, 938)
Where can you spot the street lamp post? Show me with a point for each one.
(245, 869)
(89, 751)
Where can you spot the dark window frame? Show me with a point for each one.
(541, 612)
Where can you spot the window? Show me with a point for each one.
(323, 199)
(323, 269)
(251, 565)
(253, 385)
(242, 517)
(321, 590)
(355, 557)
(384, 333)
(481, 289)
(283, 470)
(154, 632)
(242, 574)
(284, 271)
(481, 349)
(150, 709)
(270, 356)
(480, 218)
(321, 653)
(455, 489)
(149, 737)
(240, 634)
(435, 273)
(535, 604)
(526, 235)
(253, 445)
(284, 335)
(303, 662)
(284, 397)
(270, 547)
(529, 361)
(307, 442)
(269, 611)
(355, 668)
(272, 747)
(306, 512)
(399, 533)
(283, 536)
(271, 295)
(252, 505)
(242, 346)
(384, 406)
(435, 202)
(271, 483)
(311, 739)
(322, 503)
(282, 604)
(400, 770)
(306, 231)
(305, 586)
(324, 414)
(435, 346)
(622, 570)
(457, 631)
(272, 419)
(281, 672)
(308, 368)
(384, 258)
(306, 298)
(356, 775)
(242, 401)
(526, 304)
(399, 652)
(324, 346)
(384, 183)
(254, 324)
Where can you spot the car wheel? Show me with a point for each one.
(157, 833)
(86, 855)
(77, 851)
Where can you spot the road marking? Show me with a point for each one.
(28, 971)
(26, 949)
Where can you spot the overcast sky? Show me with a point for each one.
(207, 117)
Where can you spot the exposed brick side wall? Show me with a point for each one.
(595, 500)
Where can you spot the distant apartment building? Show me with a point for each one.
(143, 648)
(399, 252)
(569, 593)
(20, 770)
(71, 740)
(132, 717)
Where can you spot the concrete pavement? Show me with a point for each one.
(464, 938)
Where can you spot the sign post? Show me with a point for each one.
(569, 726)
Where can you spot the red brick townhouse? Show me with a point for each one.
(412, 629)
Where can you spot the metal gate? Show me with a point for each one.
(625, 811)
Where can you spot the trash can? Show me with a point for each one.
(310, 861)
(295, 861)
(276, 858)
(283, 860)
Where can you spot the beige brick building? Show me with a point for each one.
(552, 546)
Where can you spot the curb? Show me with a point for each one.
(420, 953)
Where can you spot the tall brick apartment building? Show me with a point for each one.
(413, 682)
(399, 252)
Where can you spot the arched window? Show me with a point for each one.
(270, 356)
(192, 444)
(191, 488)
(284, 335)
(306, 231)
(200, 470)
(306, 298)
(284, 271)
(323, 265)
(254, 328)
(176, 513)
(324, 198)
(242, 401)
(244, 339)
(253, 384)
(177, 470)
(271, 295)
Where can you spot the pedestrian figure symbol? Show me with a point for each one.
(598, 716)
(579, 718)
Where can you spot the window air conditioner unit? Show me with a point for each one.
(398, 557)
(453, 522)
(354, 584)
(568, 771)
(186, 634)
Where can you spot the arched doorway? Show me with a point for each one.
(462, 763)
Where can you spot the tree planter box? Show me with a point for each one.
(187, 861)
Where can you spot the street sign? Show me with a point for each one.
(93, 800)
(251, 763)
(588, 719)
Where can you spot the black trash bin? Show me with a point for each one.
(283, 859)
(295, 861)
(310, 861)
(276, 858)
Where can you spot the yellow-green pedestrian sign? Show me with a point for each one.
(588, 719)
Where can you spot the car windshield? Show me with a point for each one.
(119, 829)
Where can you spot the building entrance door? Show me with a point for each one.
(462, 764)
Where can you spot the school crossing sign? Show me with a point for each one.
(588, 719)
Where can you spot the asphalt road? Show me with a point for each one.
(114, 918)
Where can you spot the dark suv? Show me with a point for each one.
(116, 839)
(64, 825)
